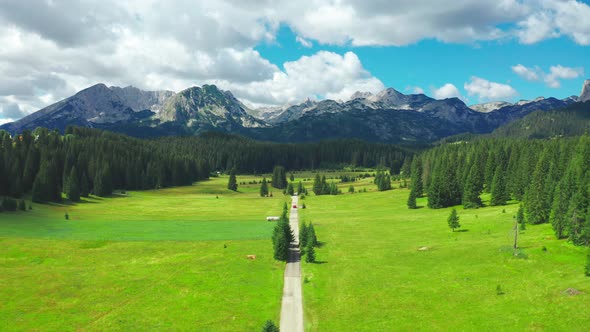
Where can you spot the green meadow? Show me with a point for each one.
(175, 259)
(383, 267)
(172, 259)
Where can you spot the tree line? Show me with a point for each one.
(87, 161)
(550, 177)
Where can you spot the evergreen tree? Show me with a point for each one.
(232, 183)
(312, 240)
(436, 199)
(562, 196)
(73, 189)
(300, 188)
(290, 189)
(537, 202)
(351, 189)
(279, 177)
(587, 268)
(416, 180)
(309, 254)
(317, 185)
(520, 218)
(499, 191)
(453, 220)
(292, 177)
(412, 199)
(103, 182)
(84, 186)
(264, 188)
(473, 188)
(303, 234)
(270, 326)
(281, 247)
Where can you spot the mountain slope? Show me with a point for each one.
(207, 107)
(388, 116)
(97, 105)
(569, 121)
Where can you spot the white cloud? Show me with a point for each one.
(528, 74)
(304, 42)
(64, 46)
(446, 91)
(322, 75)
(553, 18)
(489, 91)
(552, 79)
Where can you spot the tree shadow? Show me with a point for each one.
(462, 230)
(319, 262)
(321, 244)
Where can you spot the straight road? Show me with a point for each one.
(292, 304)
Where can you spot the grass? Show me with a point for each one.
(375, 278)
(175, 259)
(172, 259)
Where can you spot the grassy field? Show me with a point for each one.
(373, 277)
(172, 259)
(175, 259)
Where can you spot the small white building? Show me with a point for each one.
(272, 218)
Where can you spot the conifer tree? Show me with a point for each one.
(537, 202)
(412, 199)
(84, 186)
(561, 201)
(416, 180)
(292, 177)
(453, 220)
(312, 240)
(279, 177)
(309, 254)
(520, 218)
(587, 268)
(232, 183)
(263, 188)
(290, 189)
(300, 188)
(270, 326)
(473, 188)
(22, 205)
(499, 191)
(435, 190)
(303, 234)
(73, 189)
(317, 185)
(281, 247)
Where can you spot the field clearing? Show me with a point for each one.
(373, 277)
(204, 211)
(172, 259)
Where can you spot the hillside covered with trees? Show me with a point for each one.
(550, 177)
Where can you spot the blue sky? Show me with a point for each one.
(278, 52)
(430, 64)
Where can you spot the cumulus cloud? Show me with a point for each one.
(446, 91)
(63, 46)
(553, 18)
(551, 79)
(322, 75)
(489, 91)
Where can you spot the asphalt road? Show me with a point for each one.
(292, 304)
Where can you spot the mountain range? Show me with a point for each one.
(388, 116)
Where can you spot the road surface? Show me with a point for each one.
(292, 304)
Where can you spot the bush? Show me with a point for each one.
(22, 205)
(67, 216)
